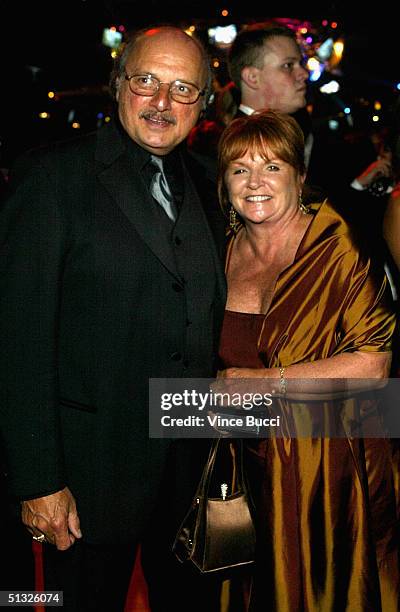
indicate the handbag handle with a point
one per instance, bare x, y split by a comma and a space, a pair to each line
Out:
204, 484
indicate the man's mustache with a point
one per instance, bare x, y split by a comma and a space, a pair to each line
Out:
157, 116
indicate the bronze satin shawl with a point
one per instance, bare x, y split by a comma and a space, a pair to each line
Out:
326, 507
328, 301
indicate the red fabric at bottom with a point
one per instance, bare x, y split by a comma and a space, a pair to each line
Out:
136, 601
39, 580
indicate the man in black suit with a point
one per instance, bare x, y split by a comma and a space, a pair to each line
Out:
101, 289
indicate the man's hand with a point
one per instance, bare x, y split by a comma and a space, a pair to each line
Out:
53, 516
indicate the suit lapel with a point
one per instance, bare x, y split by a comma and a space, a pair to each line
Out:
210, 215
127, 188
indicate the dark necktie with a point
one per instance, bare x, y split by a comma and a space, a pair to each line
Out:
160, 190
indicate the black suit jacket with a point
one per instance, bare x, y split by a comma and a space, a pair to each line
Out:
95, 300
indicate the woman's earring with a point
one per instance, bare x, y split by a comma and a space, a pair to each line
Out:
304, 209
233, 220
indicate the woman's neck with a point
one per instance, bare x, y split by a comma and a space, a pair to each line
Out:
266, 240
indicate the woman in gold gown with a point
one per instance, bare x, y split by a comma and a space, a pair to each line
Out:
304, 303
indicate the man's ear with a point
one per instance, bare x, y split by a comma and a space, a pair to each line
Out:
251, 76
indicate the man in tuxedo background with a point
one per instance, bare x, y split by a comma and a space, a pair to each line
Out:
266, 65
101, 289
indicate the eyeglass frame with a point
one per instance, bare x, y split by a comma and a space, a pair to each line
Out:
201, 92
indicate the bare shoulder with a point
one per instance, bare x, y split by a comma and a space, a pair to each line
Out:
391, 224
392, 214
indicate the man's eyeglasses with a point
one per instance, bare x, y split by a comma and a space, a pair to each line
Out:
180, 91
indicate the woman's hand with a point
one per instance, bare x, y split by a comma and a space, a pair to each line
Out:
381, 167
247, 381
244, 373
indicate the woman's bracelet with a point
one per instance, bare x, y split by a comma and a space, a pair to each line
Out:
282, 381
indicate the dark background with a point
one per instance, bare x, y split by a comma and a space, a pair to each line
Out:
57, 46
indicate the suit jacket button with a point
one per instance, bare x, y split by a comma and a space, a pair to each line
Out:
176, 356
177, 287
177, 241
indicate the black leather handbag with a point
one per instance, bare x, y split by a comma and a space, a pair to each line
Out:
218, 533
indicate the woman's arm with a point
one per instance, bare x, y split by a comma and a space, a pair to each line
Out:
391, 225
341, 373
